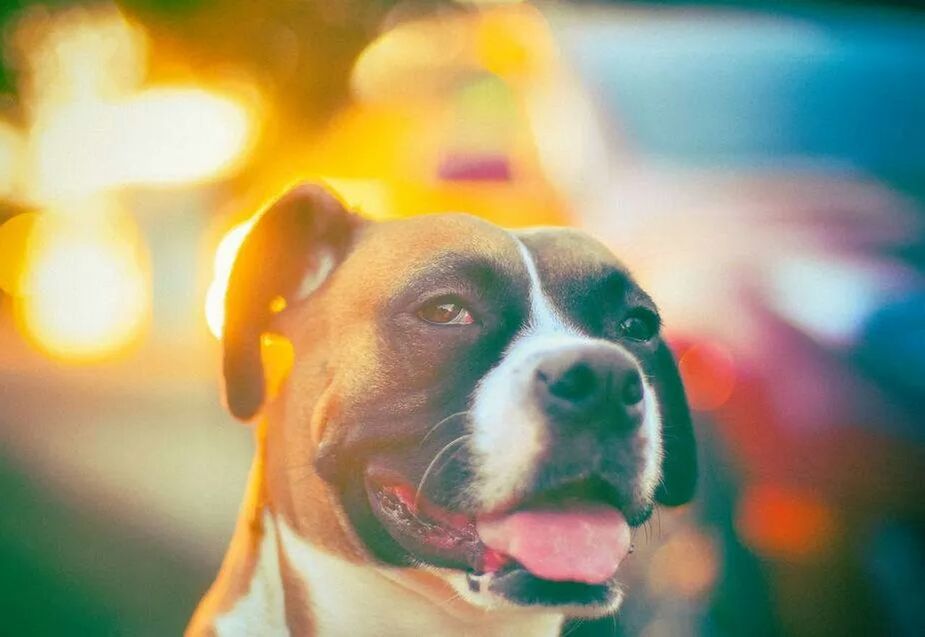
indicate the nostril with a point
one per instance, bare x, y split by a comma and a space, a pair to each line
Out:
576, 384
632, 389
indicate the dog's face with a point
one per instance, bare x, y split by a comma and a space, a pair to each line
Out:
496, 407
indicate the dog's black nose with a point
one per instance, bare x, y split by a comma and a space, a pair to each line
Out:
591, 387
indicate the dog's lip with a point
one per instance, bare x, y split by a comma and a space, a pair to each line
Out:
519, 585
429, 532
435, 534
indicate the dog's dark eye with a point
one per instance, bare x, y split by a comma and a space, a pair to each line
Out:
639, 327
444, 312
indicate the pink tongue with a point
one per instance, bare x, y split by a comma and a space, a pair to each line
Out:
580, 543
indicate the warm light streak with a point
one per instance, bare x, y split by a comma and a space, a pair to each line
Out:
224, 260
370, 197
157, 137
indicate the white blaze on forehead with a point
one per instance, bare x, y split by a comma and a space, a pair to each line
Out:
543, 316
508, 426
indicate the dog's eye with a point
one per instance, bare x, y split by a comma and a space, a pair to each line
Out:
444, 312
639, 327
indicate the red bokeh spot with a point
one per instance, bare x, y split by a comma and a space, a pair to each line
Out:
785, 523
709, 375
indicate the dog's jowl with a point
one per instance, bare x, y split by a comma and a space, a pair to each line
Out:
472, 423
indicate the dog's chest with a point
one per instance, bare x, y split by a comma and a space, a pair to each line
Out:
345, 599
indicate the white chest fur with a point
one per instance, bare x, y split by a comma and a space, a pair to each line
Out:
350, 600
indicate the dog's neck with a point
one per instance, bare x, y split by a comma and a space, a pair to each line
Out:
275, 582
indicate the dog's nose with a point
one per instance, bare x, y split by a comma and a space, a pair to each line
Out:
592, 387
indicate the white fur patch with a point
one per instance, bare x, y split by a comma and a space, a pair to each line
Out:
262, 611
650, 433
361, 600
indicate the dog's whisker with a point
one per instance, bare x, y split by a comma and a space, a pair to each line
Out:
449, 600
433, 463
574, 627
441, 423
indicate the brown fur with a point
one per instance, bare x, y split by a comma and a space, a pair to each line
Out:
336, 361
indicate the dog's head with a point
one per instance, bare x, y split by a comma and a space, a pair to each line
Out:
497, 407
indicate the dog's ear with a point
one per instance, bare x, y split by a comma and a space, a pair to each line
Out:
679, 465
302, 235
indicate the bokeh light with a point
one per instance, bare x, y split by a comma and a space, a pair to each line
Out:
785, 522
95, 127
709, 375
84, 292
82, 287
687, 565
158, 136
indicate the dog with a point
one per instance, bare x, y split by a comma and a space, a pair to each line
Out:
468, 426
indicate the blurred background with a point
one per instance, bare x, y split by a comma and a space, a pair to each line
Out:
759, 165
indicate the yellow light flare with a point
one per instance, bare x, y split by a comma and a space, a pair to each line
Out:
14, 243
515, 42
371, 197
85, 290
221, 271
278, 357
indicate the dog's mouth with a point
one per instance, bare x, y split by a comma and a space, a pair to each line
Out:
568, 542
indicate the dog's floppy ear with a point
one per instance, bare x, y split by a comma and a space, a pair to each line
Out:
679, 466
298, 235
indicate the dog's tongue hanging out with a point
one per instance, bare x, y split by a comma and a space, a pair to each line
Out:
577, 543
